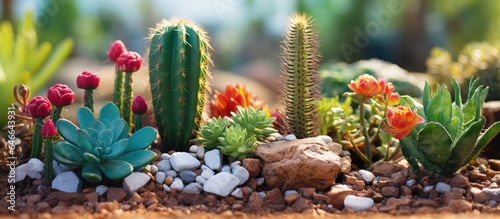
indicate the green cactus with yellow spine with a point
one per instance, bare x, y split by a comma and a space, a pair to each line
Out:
178, 69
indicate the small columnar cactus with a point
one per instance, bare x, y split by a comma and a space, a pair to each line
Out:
254, 121
209, 134
178, 70
300, 89
236, 143
103, 145
48, 132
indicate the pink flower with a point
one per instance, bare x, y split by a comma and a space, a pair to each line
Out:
116, 49
367, 86
61, 95
139, 105
38, 107
49, 129
129, 61
401, 120
88, 80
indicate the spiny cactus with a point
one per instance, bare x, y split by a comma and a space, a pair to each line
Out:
299, 88
178, 70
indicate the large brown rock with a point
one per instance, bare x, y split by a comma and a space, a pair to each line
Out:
301, 163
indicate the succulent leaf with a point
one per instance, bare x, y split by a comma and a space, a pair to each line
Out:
89, 157
67, 130
69, 151
109, 113
431, 135
106, 136
485, 138
210, 132
236, 144
254, 121
84, 139
116, 169
116, 149
138, 158
117, 127
85, 117
91, 173
141, 139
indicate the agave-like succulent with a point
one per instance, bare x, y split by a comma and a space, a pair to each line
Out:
451, 134
209, 133
254, 121
103, 144
236, 143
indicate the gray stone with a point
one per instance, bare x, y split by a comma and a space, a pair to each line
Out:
193, 188
171, 173
260, 181
135, 181
207, 174
237, 193
428, 188
226, 169
262, 194
21, 172
200, 153
59, 168
200, 179
183, 161
213, 159
101, 189
67, 182
358, 203
410, 182
327, 139
235, 163
491, 191
36, 165
187, 176
367, 175
221, 184
165, 156
160, 177
290, 137
241, 173
177, 184
163, 165
442, 187
154, 169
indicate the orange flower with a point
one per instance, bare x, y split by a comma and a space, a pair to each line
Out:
401, 120
392, 98
223, 104
367, 86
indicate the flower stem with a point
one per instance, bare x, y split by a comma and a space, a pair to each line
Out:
88, 99
386, 105
56, 113
368, 149
358, 152
36, 145
137, 122
48, 171
127, 98
118, 92
396, 151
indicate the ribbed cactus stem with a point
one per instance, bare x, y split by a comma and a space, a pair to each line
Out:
88, 99
299, 88
36, 145
47, 169
118, 90
56, 113
127, 98
178, 70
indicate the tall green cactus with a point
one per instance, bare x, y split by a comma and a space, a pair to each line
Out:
299, 87
178, 70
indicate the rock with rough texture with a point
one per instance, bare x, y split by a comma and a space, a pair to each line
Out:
67, 182
213, 159
135, 181
346, 165
253, 166
385, 169
221, 184
240, 173
183, 161
114, 193
358, 203
367, 175
302, 163
337, 194
459, 181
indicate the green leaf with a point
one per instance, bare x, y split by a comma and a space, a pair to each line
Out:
141, 139
91, 173
67, 130
85, 117
426, 96
117, 149
434, 142
84, 140
106, 137
458, 95
108, 114
91, 158
116, 169
413, 155
485, 139
439, 108
463, 148
69, 151
455, 127
138, 158
470, 106
117, 127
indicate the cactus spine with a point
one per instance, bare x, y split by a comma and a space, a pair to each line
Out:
178, 63
299, 86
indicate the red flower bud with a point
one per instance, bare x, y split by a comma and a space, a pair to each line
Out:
88, 80
38, 107
48, 129
129, 61
116, 49
139, 105
61, 95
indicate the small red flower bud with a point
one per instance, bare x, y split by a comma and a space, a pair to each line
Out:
38, 107
49, 129
139, 105
88, 80
129, 61
61, 95
116, 49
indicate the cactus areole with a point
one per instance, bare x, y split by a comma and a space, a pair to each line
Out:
178, 70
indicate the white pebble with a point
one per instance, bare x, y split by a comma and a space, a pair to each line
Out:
290, 137
260, 181
166, 187
241, 173
177, 184
101, 189
410, 182
207, 174
262, 194
165, 156
200, 179
288, 192
164, 165
193, 148
153, 169
428, 188
160, 177
442, 187
235, 163
493, 203
358, 203
200, 153
327, 139
171, 173
226, 168
204, 167
367, 175
237, 193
